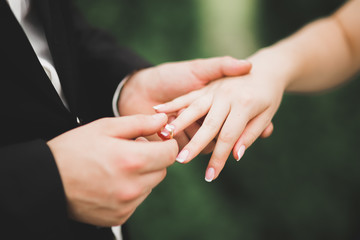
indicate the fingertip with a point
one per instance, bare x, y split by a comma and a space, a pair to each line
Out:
244, 66
243, 62
158, 107
240, 152
239, 149
210, 174
182, 157
235, 67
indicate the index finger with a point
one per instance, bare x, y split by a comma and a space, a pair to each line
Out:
191, 114
148, 157
133, 126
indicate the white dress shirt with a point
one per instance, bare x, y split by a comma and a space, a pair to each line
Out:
35, 34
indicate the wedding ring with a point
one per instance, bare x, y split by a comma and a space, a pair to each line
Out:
171, 129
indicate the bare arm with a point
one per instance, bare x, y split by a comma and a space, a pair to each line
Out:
321, 55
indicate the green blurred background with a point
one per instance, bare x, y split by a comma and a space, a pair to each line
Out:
301, 183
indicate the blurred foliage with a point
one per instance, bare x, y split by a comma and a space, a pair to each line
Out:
159, 30
301, 183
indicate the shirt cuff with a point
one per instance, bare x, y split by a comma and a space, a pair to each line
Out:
117, 95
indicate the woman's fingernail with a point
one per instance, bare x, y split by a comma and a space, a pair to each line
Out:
182, 156
170, 127
167, 132
164, 134
240, 152
157, 107
210, 174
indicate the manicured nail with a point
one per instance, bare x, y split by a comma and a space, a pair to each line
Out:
170, 127
210, 174
182, 156
240, 152
157, 107
168, 131
165, 134
159, 116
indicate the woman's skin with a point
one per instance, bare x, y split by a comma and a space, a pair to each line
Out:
237, 110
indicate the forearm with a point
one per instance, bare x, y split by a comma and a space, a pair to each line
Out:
321, 55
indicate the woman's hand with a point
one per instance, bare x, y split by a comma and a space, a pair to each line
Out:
165, 82
236, 111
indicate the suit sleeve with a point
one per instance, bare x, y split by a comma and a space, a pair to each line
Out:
103, 63
32, 196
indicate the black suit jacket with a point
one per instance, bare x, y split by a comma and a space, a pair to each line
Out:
90, 65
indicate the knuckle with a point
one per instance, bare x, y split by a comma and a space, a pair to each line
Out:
246, 98
132, 164
250, 137
127, 163
226, 137
210, 123
198, 105
128, 194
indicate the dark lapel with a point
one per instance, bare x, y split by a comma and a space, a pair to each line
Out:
55, 18
17, 50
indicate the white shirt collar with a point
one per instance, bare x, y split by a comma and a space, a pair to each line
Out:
20, 8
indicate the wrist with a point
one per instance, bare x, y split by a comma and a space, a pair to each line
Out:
271, 67
129, 96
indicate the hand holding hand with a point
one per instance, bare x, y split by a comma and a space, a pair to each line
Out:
237, 110
163, 83
105, 173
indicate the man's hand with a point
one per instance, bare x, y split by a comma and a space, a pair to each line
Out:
105, 173
153, 86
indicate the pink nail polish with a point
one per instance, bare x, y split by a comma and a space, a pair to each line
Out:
210, 174
182, 156
240, 152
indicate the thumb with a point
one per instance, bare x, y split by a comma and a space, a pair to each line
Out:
207, 70
131, 127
